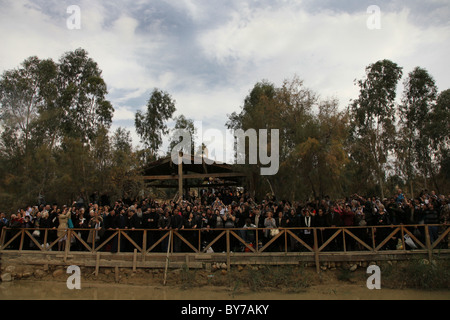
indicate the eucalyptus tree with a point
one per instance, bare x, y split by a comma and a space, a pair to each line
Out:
152, 125
373, 117
44, 105
414, 148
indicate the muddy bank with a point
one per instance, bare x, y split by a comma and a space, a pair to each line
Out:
53, 290
243, 282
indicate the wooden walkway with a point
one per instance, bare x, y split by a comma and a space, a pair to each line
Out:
143, 248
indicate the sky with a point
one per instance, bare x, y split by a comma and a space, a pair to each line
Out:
209, 54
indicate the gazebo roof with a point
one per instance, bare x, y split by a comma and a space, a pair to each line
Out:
193, 167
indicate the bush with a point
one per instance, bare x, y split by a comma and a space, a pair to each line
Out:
418, 274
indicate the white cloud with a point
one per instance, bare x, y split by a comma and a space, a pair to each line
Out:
123, 114
328, 50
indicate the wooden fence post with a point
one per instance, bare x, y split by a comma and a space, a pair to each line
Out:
428, 243
316, 251
228, 249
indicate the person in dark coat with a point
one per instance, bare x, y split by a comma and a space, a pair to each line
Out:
176, 225
431, 216
333, 220
164, 224
307, 221
383, 219
293, 221
321, 222
133, 223
119, 223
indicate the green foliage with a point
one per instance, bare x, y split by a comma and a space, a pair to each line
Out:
413, 144
417, 274
182, 123
373, 117
151, 125
54, 120
312, 137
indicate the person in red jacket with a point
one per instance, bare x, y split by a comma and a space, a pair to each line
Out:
348, 217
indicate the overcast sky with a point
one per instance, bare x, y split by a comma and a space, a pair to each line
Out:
208, 54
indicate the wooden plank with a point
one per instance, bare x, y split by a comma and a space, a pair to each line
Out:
228, 249
214, 241
413, 237
185, 241
34, 240
131, 240
82, 241
387, 239
428, 243
22, 235
124, 260
167, 258
402, 229
10, 240
358, 239
97, 263
203, 257
300, 240
107, 240
441, 237
330, 239
134, 259
343, 240
316, 251
373, 238
59, 238
144, 245
157, 242
243, 241
195, 176
2, 237
272, 240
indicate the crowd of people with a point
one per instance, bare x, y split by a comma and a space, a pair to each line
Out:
218, 208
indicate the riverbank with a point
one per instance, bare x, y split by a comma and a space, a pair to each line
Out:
54, 290
399, 281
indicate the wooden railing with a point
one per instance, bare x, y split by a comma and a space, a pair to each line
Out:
253, 240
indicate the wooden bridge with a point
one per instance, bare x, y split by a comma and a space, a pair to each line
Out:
200, 248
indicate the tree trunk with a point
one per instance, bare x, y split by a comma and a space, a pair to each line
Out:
411, 188
380, 180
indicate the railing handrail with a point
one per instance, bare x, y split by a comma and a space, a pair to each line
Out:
240, 228
316, 246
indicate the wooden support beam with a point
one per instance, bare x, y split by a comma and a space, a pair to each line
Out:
97, 263
180, 176
134, 259
316, 251
195, 176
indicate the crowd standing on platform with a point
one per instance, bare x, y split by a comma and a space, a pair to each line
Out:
226, 207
